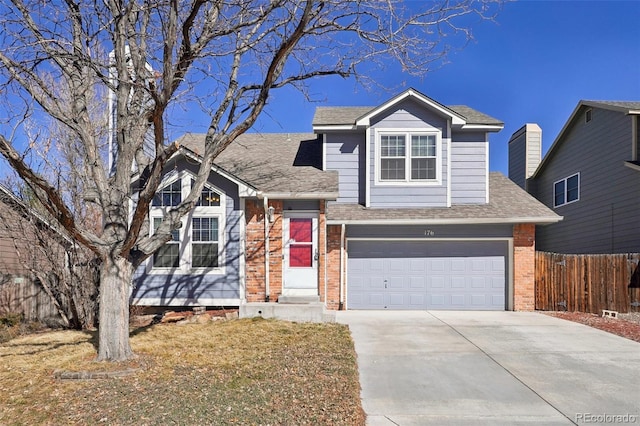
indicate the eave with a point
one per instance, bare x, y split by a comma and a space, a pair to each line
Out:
445, 221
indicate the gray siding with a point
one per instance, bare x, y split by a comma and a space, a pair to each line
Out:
344, 152
172, 289
525, 147
469, 168
517, 159
409, 115
605, 218
437, 231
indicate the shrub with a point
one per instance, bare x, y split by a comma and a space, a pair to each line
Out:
11, 319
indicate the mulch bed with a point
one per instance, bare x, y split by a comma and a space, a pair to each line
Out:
629, 328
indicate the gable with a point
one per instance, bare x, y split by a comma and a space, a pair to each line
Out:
410, 114
578, 116
425, 103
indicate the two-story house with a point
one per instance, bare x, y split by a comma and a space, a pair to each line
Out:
590, 175
384, 207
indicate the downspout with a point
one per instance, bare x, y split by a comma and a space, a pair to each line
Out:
324, 255
342, 236
265, 201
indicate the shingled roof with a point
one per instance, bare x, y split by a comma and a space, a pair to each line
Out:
628, 107
508, 203
278, 164
326, 116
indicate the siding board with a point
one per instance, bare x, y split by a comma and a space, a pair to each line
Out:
343, 154
604, 220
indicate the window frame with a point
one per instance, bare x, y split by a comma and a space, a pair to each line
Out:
408, 135
186, 231
565, 182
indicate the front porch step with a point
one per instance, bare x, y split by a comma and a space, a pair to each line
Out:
298, 300
298, 312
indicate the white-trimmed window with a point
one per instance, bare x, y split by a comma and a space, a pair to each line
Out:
408, 157
566, 190
197, 245
204, 242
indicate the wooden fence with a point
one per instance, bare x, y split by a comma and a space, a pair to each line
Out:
587, 283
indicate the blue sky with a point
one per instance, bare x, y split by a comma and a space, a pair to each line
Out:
534, 64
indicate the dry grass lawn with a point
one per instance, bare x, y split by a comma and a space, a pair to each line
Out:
234, 372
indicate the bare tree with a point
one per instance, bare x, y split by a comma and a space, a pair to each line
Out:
226, 54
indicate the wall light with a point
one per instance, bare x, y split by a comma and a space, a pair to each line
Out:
271, 214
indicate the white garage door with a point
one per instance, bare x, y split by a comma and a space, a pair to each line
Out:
426, 275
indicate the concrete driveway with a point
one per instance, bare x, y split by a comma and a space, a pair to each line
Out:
443, 367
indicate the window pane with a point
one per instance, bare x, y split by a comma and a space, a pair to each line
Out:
208, 197
204, 229
423, 146
558, 193
300, 255
392, 169
204, 255
392, 146
423, 168
300, 230
175, 234
169, 196
167, 256
572, 188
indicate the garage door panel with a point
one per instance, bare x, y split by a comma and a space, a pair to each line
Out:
457, 265
436, 265
417, 266
418, 282
375, 283
458, 300
436, 301
497, 300
497, 282
435, 282
480, 282
418, 300
395, 283
375, 299
458, 282
426, 275
394, 265
375, 265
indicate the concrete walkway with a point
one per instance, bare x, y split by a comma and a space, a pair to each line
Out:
488, 368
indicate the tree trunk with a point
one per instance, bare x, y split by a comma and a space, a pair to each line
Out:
113, 329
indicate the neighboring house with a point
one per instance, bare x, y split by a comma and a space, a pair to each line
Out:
590, 176
384, 207
21, 290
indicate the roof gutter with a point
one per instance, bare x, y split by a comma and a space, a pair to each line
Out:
266, 248
536, 220
298, 195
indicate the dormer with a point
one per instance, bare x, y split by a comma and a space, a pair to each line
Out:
410, 151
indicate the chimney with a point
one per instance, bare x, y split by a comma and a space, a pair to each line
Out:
525, 153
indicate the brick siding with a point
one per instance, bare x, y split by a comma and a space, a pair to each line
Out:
254, 248
333, 267
524, 250
255, 255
